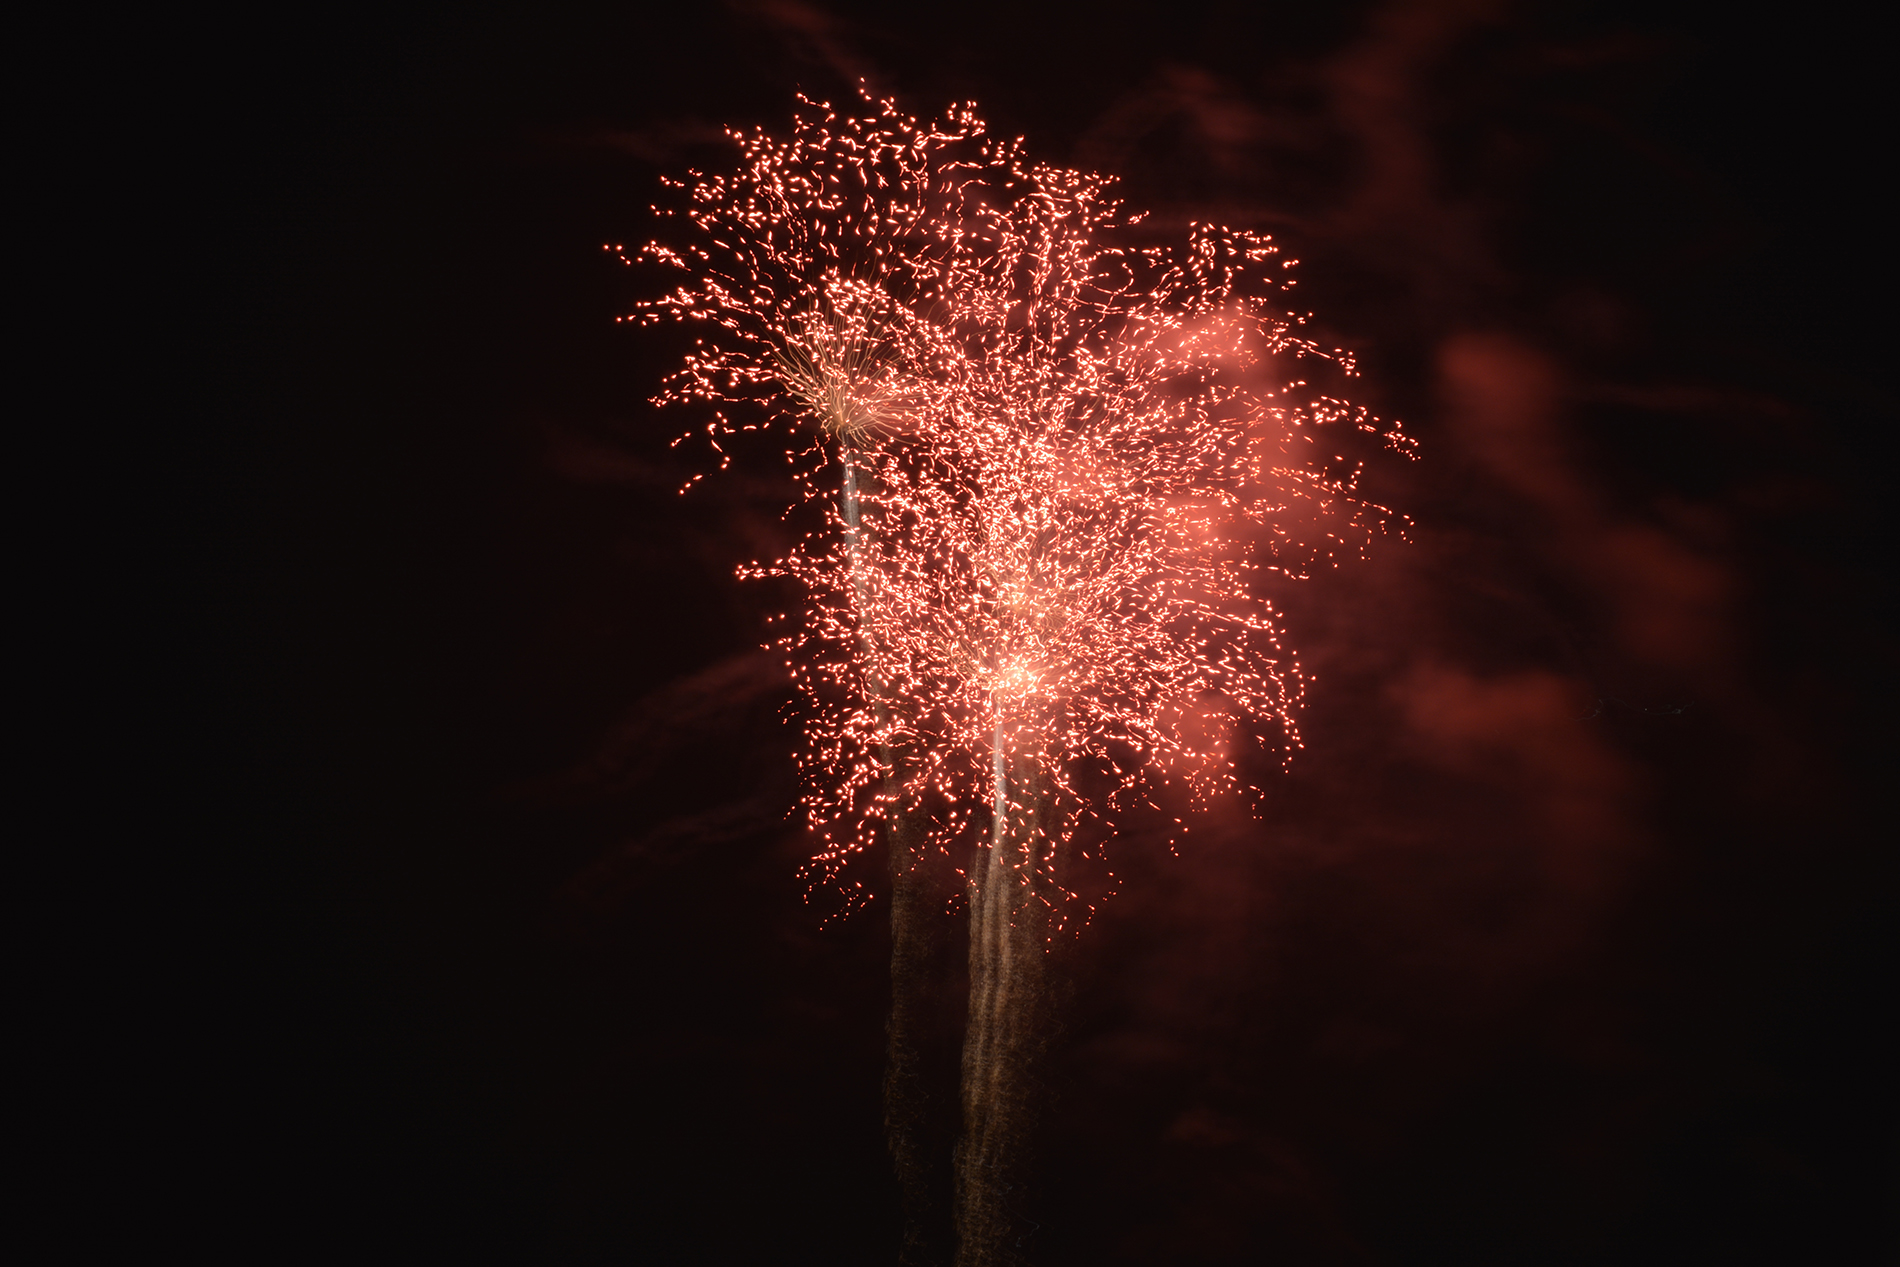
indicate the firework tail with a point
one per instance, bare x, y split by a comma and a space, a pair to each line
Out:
1005, 1034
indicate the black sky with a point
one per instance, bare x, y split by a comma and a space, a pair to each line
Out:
1567, 938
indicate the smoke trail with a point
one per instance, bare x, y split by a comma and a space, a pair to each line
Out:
1005, 1035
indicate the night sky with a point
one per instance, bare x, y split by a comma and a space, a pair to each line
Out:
1567, 939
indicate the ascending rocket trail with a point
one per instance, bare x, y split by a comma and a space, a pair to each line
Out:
1066, 451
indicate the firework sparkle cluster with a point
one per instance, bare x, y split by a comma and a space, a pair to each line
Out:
1041, 458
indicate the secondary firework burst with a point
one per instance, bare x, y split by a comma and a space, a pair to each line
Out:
1065, 449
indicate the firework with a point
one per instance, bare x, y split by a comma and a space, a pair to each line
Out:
1061, 457
1062, 454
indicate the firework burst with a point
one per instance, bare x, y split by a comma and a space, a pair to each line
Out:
1062, 454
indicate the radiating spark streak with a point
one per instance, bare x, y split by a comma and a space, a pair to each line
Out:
1067, 455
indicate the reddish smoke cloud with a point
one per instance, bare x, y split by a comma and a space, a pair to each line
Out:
1508, 407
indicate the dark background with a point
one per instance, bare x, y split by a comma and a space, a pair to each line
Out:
1566, 939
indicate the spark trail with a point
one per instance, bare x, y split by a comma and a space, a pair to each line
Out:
1063, 450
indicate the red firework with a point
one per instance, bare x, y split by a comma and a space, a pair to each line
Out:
1063, 453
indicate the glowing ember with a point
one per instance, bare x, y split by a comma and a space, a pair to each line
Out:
1063, 455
